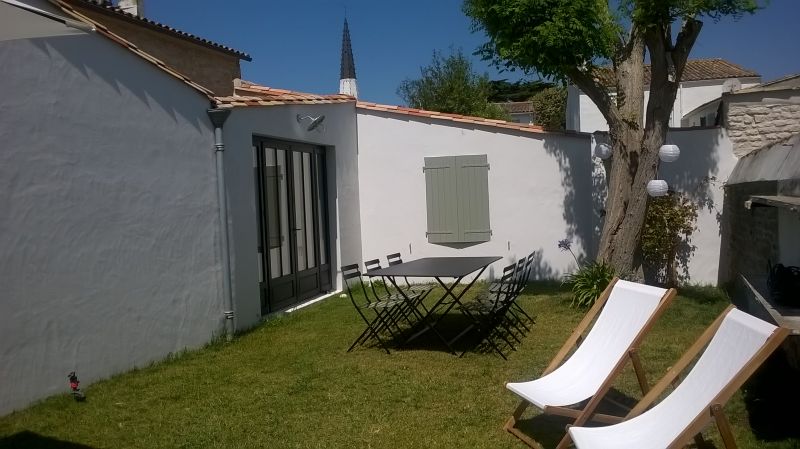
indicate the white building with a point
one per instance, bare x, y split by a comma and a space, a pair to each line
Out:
138, 223
703, 81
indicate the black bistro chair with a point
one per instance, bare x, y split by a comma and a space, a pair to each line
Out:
380, 315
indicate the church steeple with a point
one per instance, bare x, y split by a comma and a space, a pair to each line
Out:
347, 77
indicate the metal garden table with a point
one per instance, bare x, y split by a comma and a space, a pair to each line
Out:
438, 268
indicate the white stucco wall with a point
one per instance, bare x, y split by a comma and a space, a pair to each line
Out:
109, 231
539, 189
705, 153
338, 135
691, 94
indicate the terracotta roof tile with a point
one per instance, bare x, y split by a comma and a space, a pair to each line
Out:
516, 107
450, 117
100, 29
251, 94
695, 70
107, 6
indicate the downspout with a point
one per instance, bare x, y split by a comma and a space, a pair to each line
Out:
218, 117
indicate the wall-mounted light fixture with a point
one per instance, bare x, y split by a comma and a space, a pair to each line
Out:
314, 122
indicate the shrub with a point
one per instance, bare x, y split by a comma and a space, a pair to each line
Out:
588, 283
669, 223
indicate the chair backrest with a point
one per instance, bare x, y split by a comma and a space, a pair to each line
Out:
351, 275
375, 264
629, 308
739, 345
394, 259
507, 289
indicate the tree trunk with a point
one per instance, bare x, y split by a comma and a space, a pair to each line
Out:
635, 142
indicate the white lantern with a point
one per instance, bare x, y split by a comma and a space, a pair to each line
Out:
602, 150
657, 187
669, 153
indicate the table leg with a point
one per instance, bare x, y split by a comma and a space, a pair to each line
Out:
423, 318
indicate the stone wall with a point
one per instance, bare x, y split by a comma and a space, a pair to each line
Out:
750, 236
210, 68
752, 126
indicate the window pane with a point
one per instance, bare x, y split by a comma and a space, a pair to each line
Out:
299, 209
308, 196
272, 179
283, 210
323, 237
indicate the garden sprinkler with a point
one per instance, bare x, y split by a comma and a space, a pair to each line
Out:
73, 384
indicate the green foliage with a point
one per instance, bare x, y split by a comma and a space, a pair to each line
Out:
557, 38
449, 85
589, 282
520, 90
550, 107
669, 223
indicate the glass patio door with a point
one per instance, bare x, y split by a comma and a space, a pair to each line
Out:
292, 247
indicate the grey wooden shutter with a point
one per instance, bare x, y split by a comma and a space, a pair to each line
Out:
441, 199
457, 199
472, 177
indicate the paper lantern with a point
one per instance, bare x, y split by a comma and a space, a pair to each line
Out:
657, 187
669, 153
602, 150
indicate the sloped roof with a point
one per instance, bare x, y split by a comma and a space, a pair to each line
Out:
450, 117
251, 94
102, 30
107, 7
774, 162
516, 107
695, 70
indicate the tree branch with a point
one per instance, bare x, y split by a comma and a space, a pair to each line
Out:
597, 92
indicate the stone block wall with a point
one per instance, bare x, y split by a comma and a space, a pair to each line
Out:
750, 236
752, 126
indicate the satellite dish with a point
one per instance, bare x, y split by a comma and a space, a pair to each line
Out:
315, 121
731, 85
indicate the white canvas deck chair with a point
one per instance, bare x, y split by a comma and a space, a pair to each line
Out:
736, 345
622, 316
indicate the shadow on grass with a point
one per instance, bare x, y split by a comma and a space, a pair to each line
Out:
31, 440
768, 393
702, 294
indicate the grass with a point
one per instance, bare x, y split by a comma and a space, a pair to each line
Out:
290, 384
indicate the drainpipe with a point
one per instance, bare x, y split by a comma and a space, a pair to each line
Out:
218, 117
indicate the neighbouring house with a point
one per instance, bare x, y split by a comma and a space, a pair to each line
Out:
147, 214
708, 114
212, 65
519, 111
703, 80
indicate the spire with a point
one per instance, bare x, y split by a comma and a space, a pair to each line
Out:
347, 78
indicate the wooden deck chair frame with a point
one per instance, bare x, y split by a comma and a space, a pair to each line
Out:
587, 413
714, 411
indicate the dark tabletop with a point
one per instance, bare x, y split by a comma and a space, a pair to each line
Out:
436, 267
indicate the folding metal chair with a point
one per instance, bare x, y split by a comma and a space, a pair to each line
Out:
420, 291
379, 315
385, 293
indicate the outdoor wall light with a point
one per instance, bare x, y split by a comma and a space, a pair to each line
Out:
314, 122
602, 150
669, 153
657, 187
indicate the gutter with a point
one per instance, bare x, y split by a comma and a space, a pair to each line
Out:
218, 117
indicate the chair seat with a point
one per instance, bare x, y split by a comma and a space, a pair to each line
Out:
384, 304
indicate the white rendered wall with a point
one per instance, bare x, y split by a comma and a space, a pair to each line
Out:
705, 153
338, 135
109, 227
690, 95
539, 189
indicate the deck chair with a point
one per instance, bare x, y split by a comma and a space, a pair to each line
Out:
736, 345
622, 315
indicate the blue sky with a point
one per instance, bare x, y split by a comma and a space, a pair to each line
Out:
296, 44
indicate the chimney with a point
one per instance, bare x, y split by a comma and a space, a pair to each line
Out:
135, 7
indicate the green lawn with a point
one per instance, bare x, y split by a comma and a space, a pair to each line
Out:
290, 384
